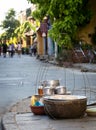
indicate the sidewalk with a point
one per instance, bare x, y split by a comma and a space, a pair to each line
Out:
85, 67
28, 121
20, 117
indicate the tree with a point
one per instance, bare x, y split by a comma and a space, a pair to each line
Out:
26, 27
66, 17
10, 24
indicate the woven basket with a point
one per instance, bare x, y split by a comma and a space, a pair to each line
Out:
38, 110
65, 109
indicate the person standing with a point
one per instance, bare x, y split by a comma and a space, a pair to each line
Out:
4, 45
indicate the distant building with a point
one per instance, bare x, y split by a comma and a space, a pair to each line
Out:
23, 15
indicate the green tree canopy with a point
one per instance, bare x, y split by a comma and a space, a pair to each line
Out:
66, 17
10, 23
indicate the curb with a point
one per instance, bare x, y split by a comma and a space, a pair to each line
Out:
8, 122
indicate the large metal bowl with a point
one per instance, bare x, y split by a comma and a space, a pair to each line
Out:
65, 106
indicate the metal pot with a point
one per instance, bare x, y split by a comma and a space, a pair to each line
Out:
48, 91
60, 90
54, 83
51, 83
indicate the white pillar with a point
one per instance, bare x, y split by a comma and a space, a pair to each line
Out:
50, 46
44, 45
56, 50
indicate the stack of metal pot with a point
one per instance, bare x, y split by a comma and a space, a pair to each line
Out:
52, 87
49, 87
60, 90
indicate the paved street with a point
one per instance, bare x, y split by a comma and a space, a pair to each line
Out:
20, 76
17, 79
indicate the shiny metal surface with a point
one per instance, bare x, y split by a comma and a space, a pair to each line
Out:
60, 90
48, 91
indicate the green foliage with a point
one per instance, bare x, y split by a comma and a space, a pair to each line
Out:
42, 8
3, 36
64, 31
66, 17
10, 14
10, 24
37, 14
25, 27
64, 56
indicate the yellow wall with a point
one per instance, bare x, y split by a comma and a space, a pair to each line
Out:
39, 44
89, 29
24, 43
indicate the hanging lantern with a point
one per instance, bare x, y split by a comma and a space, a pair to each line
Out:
43, 34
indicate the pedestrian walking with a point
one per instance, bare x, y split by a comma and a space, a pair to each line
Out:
31, 50
0, 48
11, 49
19, 49
4, 45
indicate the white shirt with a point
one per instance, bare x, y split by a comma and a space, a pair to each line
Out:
19, 47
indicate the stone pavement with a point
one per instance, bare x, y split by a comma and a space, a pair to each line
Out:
20, 117
28, 121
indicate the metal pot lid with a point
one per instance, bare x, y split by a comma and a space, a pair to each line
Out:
48, 87
60, 87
